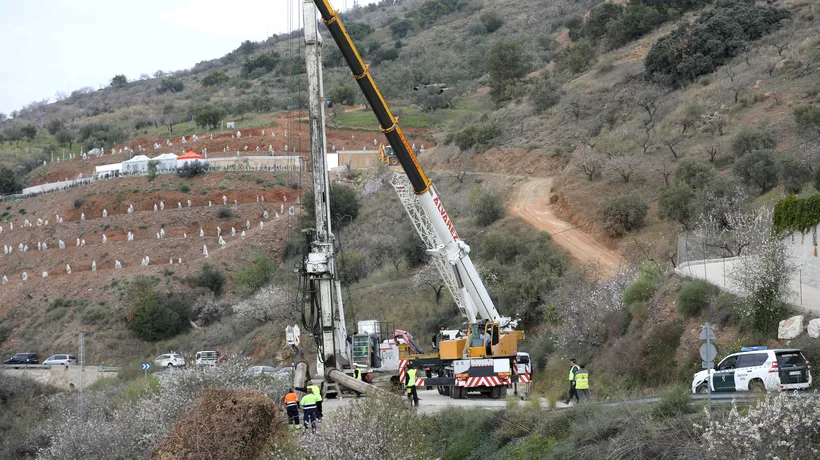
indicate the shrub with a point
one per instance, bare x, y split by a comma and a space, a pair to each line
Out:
184, 188
639, 291
675, 401
170, 84
624, 214
8, 182
155, 316
211, 279
658, 354
344, 201
209, 117
352, 267
752, 139
807, 118
192, 169
545, 93
757, 169
488, 208
676, 204
691, 51
481, 137
491, 21
152, 170
225, 212
252, 278
694, 172
94, 135
694, 297
507, 65
793, 174
576, 58
215, 78
414, 251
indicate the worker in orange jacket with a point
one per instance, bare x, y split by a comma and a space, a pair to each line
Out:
292, 407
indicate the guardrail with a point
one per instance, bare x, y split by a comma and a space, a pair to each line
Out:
100, 368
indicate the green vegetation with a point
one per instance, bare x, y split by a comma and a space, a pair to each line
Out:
191, 169
155, 316
209, 118
253, 278
225, 212
8, 182
624, 214
507, 65
479, 137
695, 297
344, 204
689, 52
792, 214
211, 279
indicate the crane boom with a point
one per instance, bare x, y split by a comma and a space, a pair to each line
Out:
433, 222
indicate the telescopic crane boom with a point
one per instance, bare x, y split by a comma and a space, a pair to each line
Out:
471, 296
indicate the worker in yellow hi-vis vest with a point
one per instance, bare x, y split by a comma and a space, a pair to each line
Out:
582, 383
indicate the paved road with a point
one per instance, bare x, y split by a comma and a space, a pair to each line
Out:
530, 201
432, 402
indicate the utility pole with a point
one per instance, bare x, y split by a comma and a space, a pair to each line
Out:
80, 395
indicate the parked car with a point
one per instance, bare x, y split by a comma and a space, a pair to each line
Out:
757, 369
23, 358
207, 358
170, 360
62, 360
262, 370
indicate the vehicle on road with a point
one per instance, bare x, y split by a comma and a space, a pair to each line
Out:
756, 369
207, 358
23, 358
170, 360
262, 370
61, 360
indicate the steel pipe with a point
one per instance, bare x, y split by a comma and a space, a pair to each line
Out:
340, 377
300, 374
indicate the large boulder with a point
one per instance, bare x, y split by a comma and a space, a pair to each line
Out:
790, 328
814, 328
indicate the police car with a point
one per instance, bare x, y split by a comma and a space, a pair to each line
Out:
756, 369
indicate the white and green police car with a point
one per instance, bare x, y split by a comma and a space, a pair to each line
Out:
756, 369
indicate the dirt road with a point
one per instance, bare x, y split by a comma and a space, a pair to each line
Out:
530, 201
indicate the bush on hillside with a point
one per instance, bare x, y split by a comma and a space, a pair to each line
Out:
353, 267
432, 10
624, 214
695, 297
694, 172
757, 170
545, 93
807, 118
250, 279
507, 65
793, 173
491, 21
225, 212
399, 29
192, 169
155, 316
8, 182
639, 291
413, 250
215, 78
344, 201
751, 139
716, 36
675, 401
211, 279
658, 355
480, 137
209, 118
265, 61
676, 204
636, 20
488, 208
96, 135
170, 84
575, 58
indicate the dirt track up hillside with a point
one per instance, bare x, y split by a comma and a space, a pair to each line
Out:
530, 201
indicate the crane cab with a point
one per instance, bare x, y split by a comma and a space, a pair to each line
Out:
484, 339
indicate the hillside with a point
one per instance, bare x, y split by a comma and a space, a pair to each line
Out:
572, 143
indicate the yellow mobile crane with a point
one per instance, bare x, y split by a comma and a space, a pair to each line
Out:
486, 359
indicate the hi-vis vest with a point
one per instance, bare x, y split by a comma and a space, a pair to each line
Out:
572, 371
357, 374
315, 390
291, 399
582, 380
309, 401
411, 378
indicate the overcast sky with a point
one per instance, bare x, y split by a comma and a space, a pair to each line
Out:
60, 45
